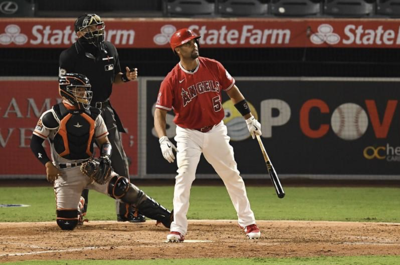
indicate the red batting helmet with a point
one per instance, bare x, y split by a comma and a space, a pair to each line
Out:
181, 37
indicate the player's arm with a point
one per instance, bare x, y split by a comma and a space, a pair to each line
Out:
237, 97
46, 123
241, 105
160, 124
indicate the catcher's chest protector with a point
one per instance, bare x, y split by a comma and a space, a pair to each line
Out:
75, 136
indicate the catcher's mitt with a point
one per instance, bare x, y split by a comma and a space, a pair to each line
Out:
98, 169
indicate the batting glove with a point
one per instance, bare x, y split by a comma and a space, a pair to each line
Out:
167, 149
254, 127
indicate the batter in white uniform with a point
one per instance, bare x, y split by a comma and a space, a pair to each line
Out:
193, 90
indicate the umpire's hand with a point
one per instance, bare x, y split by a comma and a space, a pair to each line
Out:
131, 74
52, 172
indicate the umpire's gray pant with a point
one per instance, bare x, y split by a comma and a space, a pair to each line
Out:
119, 161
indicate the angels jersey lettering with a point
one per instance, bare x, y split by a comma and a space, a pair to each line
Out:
195, 96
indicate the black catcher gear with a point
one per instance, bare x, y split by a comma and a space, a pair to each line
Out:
98, 169
76, 89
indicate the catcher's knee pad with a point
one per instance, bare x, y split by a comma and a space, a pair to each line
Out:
118, 187
67, 219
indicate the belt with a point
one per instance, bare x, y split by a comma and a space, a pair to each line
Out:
102, 104
205, 129
68, 165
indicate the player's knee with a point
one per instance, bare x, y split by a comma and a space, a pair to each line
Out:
118, 187
67, 219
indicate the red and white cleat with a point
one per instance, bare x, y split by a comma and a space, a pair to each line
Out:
175, 237
252, 231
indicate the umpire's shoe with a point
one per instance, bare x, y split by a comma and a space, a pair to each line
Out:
131, 218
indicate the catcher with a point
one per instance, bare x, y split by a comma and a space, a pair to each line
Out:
72, 127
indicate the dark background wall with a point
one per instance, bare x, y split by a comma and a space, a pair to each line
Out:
240, 62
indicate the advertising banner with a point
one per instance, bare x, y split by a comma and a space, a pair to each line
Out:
215, 33
311, 127
21, 105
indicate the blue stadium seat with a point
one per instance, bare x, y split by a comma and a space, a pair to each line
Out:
242, 8
295, 8
189, 8
389, 8
349, 8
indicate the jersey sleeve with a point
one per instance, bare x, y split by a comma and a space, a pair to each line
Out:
47, 123
100, 128
226, 80
165, 96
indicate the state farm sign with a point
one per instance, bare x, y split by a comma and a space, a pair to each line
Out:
221, 33
360, 33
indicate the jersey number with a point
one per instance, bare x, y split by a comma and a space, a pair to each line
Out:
217, 104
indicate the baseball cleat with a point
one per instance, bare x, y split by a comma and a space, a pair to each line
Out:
175, 237
252, 231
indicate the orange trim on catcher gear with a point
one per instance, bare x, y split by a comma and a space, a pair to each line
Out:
91, 132
64, 134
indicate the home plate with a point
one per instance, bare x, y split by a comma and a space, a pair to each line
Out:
193, 241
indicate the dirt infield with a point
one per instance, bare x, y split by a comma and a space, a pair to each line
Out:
206, 239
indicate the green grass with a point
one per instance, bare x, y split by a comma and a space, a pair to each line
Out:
363, 260
212, 202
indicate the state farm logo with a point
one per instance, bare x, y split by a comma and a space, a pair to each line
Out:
165, 35
13, 35
325, 34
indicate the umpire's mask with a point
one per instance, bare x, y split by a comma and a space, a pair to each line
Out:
92, 28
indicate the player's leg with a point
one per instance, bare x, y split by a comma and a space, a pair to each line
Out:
68, 188
120, 188
219, 153
187, 157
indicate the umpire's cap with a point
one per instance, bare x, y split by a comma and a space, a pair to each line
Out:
182, 36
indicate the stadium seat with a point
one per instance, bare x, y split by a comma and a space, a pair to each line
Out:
242, 8
189, 8
349, 8
302, 8
389, 8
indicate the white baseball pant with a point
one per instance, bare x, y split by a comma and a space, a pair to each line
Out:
219, 153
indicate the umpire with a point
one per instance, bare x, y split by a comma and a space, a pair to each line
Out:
98, 59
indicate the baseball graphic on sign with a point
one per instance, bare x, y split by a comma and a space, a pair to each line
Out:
349, 121
234, 121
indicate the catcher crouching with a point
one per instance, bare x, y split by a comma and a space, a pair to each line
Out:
72, 127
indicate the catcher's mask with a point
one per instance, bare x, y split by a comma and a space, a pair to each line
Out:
181, 37
76, 89
92, 28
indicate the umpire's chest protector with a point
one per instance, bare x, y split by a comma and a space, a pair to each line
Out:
75, 136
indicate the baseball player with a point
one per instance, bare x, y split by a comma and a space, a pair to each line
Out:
98, 59
72, 127
193, 90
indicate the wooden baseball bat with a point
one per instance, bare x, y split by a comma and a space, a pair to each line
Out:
271, 170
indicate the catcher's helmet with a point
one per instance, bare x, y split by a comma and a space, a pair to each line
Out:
76, 89
182, 36
92, 28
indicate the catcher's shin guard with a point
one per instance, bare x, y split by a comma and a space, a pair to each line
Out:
152, 209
